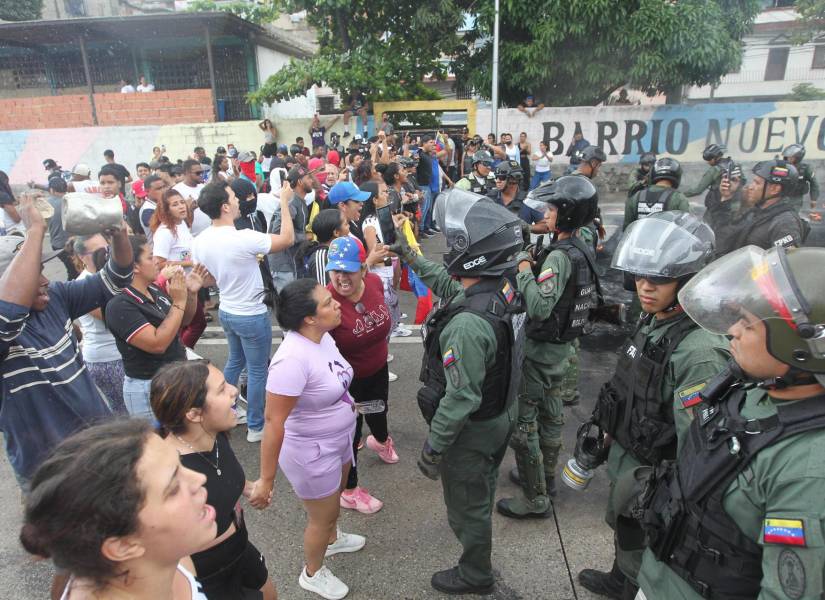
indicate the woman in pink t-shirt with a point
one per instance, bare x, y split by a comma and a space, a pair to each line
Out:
310, 422
362, 338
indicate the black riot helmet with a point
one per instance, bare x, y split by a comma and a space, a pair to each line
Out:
592, 153
796, 151
482, 156
648, 158
713, 151
667, 168
574, 197
777, 171
483, 237
509, 169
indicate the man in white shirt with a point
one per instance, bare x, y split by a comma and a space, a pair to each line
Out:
126, 87
143, 86
232, 257
81, 180
190, 188
154, 187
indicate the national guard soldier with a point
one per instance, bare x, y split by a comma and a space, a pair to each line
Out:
740, 513
471, 371
766, 218
661, 195
662, 367
559, 287
806, 184
592, 158
639, 177
481, 180
508, 193
714, 156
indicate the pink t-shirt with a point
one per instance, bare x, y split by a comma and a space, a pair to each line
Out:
320, 377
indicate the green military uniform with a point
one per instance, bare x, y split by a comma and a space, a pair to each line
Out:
472, 450
698, 358
633, 211
785, 481
711, 179
475, 184
637, 180
807, 179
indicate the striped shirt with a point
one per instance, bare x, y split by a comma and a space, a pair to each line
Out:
47, 394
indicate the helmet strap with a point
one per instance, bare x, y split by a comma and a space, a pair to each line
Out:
793, 377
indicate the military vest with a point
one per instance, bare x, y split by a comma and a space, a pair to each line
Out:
480, 188
630, 406
682, 510
652, 201
497, 302
572, 311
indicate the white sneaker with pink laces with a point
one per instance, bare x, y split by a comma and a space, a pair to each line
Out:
360, 499
386, 451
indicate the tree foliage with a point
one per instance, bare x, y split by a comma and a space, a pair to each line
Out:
381, 47
254, 12
578, 52
21, 10
812, 13
803, 92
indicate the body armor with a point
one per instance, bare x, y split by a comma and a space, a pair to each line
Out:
630, 406
682, 512
571, 313
653, 201
484, 187
497, 302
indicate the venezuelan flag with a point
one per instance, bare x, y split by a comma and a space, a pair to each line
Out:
788, 532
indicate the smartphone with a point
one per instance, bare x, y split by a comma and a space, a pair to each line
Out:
387, 226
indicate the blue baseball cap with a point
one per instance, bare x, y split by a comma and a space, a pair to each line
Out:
344, 255
346, 190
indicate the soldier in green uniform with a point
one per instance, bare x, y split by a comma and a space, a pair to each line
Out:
662, 195
471, 372
559, 287
740, 513
648, 404
481, 180
713, 155
639, 177
807, 179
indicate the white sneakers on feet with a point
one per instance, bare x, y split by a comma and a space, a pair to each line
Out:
346, 542
401, 331
240, 414
390, 358
253, 436
323, 583
392, 376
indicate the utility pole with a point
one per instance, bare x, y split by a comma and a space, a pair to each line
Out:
494, 124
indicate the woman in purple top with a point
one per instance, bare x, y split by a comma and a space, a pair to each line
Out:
309, 427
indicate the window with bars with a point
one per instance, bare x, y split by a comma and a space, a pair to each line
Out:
23, 71
819, 57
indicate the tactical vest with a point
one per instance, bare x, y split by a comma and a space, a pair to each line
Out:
761, 217
682, 513
653, 201
498, 303
480, 188
630, 406
801, 186
572, 311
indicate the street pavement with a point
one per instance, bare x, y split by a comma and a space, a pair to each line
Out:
409, 538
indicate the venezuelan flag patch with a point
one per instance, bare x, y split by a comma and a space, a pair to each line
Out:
692, 395
545, 275
787, 532
450, 358
508, 293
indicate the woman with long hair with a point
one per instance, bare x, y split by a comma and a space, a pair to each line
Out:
194, 405
220, 168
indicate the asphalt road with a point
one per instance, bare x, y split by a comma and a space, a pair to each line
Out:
409, 538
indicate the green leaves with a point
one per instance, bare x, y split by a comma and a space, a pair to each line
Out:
21, 10
254, 12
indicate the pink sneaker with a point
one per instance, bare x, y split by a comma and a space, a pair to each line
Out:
359, 499
386, 451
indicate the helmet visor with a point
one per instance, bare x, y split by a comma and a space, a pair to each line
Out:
746, 284
450, 213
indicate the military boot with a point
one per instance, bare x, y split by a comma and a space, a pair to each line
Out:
550, 458
549, 482
450, 582
610, 584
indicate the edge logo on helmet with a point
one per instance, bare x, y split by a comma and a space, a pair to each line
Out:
474, 263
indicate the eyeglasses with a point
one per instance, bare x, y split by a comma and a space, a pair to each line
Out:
501, 177
655, 280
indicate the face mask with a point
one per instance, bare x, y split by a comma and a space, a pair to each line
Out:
248, 207
310, 198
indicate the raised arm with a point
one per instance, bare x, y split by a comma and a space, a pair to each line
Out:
286, 237
21, 279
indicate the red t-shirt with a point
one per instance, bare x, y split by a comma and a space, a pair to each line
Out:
363, 337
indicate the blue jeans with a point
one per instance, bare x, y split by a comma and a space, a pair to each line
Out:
427, 209
250, 342
136, 397
538, 178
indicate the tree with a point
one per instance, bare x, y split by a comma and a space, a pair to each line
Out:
383, 48
254, 12
803, 92
578, 52
21, 10
812, 13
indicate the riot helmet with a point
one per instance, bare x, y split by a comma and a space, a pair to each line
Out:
796, 151
667, 168
509, 169
483, 237
670, 244
574, 197
648, 158
482, 156
778, 286
713, 151
592, 153
777, 171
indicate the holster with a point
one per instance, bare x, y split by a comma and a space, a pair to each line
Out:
606, 412
428, 402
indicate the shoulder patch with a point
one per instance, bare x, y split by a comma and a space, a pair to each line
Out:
545, 275
507, 292
691, 396
785, 532
450, 357
791, 573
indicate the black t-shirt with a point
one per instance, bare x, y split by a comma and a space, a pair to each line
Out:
122, 172
127, 314
424, 170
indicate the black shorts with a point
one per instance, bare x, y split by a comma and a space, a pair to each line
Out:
232, 569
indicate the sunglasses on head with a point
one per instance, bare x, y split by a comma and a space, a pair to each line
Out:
655, 280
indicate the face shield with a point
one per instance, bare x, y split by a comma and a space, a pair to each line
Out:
450, 213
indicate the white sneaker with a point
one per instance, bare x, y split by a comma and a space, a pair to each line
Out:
390, 358
401, 332
346, 542
392, 376
403, 316
323, 583
240, 415
253, 436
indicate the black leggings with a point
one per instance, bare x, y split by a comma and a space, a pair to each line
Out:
362, 389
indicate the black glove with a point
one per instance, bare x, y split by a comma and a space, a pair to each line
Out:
430, 462
402, 247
